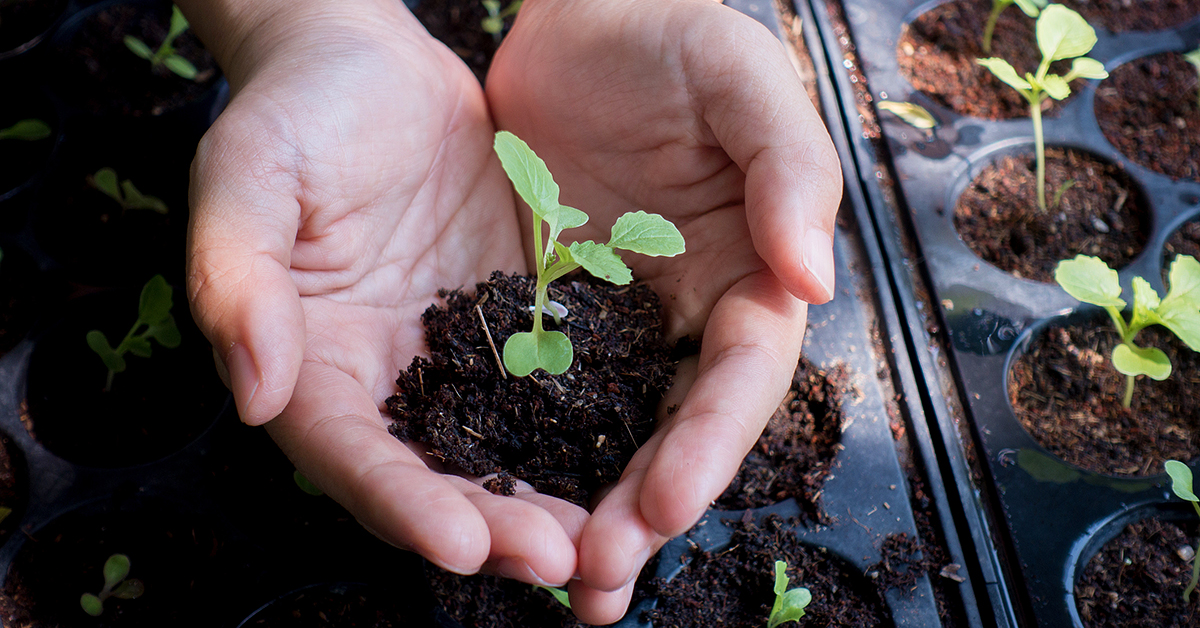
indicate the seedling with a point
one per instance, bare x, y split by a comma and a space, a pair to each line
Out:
1091, 280
29, 130
154, 321
116, 584
305, 484
125, 193
1030, 7
1193, 58
1181, 484
166, 55
648, 234
559, 594
1061, 34
789, 605
494, 22
913, 114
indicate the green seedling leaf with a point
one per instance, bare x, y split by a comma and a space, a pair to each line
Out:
1193, 58
528, 173
561, 218
305, 485
1031, 7
105, 180
91, 604
1005, 72
492, 24
1063, 33
5, 511
115, 570
648, 234
911, 113
134, 199
181, 66
559, 594
154, 304
165, 332
138, 47
1180, 309
525, 352
1090, 280
789, 605
1086, 67
1181, 480
179, 24
601, 261
129, 590
1145, 300
1148, 361
139, 346
1062, 189
99, 343
1056, 86
29, 130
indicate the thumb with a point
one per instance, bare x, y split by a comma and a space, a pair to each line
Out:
240, 236
763, 119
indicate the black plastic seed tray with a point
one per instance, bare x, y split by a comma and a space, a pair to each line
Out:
1050, 517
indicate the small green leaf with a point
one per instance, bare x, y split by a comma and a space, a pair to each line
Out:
138, 47
115, 570
1181, 480
492, 24
1056, 86
913, 114
1063, 33
165, 332
525, 352
91, 604
1090, 280
139, 346
1031, 7
181, 66
1184, 280
1145, 301
29, 130
154, 304
789, 605
1148, 361
492, 6
601, 261
559, 594
1087, 67
105, 180
129, 590
561, 218
306, 485
134, 199
1180, 309
179, 24
1005, 72
781, 579
5, 511
648, 234
99, 343
528, 173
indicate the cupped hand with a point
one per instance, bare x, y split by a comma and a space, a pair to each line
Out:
688, 109
350, 178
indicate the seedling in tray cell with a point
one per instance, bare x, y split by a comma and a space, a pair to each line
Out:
1061, 34
494, 22
1029, 7
560, 595
165, 55
1091, 281
789, 604
648, 234
154, 322
116, 584
1193, 58
29, 130
1181, 484
125, 192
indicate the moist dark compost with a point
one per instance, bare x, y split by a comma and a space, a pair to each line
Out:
793, 455
1137, 579
345, 605
1119, 16
1098, 212
733, 587
489, 602
1067, 394
459, 25
1148, 109
568, 434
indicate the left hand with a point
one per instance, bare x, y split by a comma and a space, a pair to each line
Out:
688, 109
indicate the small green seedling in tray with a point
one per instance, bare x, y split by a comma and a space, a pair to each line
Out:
154, 322
494, 22
1090, 280
1061, 34
789, 604
1029, 7
1193, 58
560, 595
165, 55
116, 584
29, 130
1181, 485
640, 232
125, 192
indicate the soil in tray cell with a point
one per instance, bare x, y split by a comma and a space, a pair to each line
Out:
348, 605
1092, 207
1067, 395
567, 434
1119, 16
733, 586
937, 52
1137, 579
1185, 241
1149, 109
793, 455
489, 602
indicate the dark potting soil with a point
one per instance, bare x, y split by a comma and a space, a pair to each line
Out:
937, 53
1067, 394
459, 25
1101, 212
13, 487
1119, 16
1149, 109
335, 606
793, 455
102, 76
1185, 241
568, 434
19, 296
489, 602
733, 586
25, 20
1137, 579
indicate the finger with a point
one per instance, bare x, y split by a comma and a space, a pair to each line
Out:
764, 120
332, 432
242, 228
599, 608
618, 539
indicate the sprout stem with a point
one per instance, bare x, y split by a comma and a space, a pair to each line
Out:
990, 27
1127, 400
1035, 112
1187, 593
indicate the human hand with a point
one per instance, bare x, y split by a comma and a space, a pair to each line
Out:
691, 110
350, 178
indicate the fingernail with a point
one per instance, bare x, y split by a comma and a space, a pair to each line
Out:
818, 258
517, 569
243, 378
